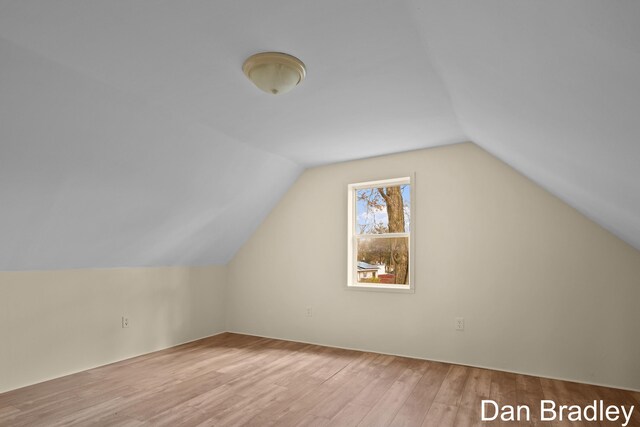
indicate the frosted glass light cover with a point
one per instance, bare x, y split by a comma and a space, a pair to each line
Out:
274, 72
274, 78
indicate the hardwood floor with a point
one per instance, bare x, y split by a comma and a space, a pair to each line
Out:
239, 380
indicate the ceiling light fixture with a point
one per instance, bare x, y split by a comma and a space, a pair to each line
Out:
274, 72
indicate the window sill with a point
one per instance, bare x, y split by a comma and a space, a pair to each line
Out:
382, 288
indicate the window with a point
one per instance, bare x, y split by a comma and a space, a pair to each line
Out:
379, 242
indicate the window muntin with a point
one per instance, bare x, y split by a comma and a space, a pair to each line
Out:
380, 234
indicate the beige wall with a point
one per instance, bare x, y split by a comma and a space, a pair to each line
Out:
543, 290
54, 323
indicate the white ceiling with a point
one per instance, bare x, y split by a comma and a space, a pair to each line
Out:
553, 89
129, 135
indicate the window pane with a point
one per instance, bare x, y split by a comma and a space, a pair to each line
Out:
383, 260
383, 210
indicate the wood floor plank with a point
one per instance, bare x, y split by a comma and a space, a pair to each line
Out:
246, 408
378, 385
303, 397
558, 391
240, 380
386, 408
615, 396
529, 392
322, 401
348, 383
440, 415
503, 392
415, 408
300, 385
476, 389
313, 421
7, 414
450, 392
350, 415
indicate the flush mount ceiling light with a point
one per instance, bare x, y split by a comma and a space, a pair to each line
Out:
274, 72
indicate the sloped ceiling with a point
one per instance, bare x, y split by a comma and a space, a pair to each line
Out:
130, 137
551, 88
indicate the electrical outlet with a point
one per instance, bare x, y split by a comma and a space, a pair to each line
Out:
125, 322
309, 312
459, 323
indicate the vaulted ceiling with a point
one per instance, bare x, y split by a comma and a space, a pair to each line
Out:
130, 137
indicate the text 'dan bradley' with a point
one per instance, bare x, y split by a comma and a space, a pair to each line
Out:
551, 411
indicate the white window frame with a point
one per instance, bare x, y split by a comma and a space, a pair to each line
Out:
352, 236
